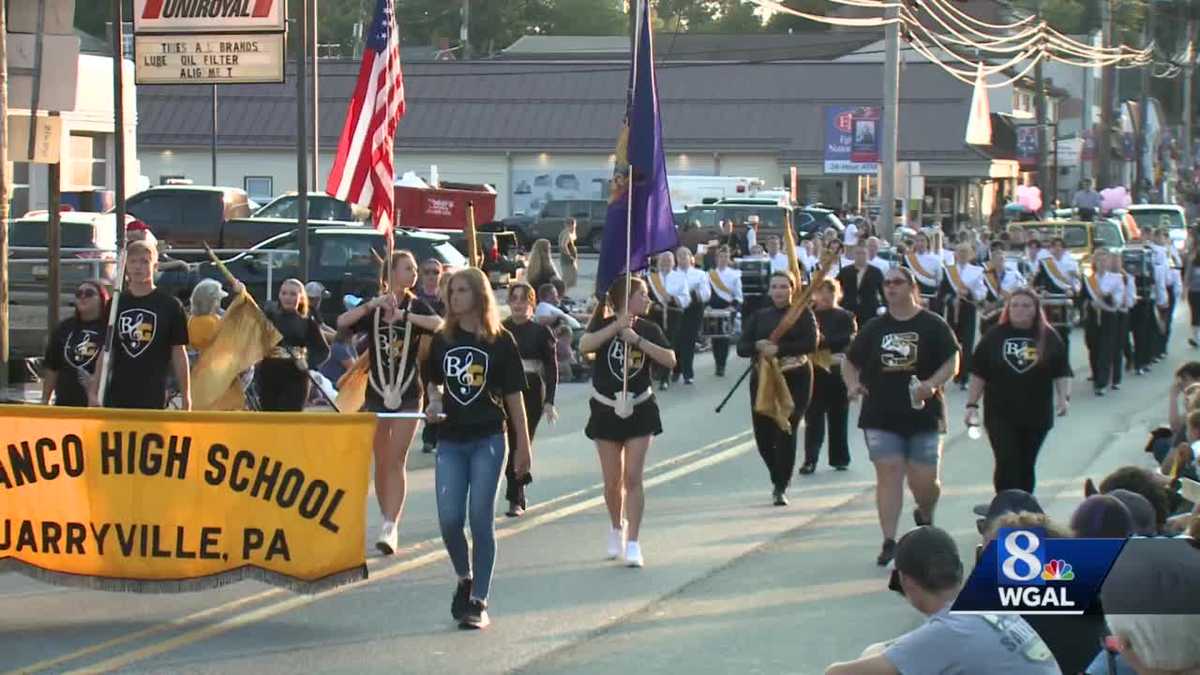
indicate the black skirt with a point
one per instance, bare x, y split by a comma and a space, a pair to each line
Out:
373, 402
604, 425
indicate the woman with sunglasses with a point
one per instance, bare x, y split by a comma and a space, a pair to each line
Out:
282, 378
475, 384
73, 348
1020, 370
899, 363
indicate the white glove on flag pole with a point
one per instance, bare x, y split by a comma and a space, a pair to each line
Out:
979, 123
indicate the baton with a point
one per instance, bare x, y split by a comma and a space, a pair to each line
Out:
735, 387
407, 416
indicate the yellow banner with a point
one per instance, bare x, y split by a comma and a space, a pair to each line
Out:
159, 501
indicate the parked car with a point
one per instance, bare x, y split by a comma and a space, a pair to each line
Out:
346, 259
187, 216
703, 223
320, 207
589, 215
1155, 216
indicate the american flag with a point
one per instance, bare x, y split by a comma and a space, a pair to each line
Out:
363, 170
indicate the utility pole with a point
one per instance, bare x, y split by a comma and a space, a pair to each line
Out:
212, 148
301, 141
1144, 165
1189, 71
53, 246
891, 123
316, 93
1107, 94
4, 193
1040, 106
464, 33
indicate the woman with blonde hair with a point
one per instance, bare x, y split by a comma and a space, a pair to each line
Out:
623, 426
282, 377
396, 324
475, 385
568, 255
540, 269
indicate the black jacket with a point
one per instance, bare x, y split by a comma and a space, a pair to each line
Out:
838, 328
865, 300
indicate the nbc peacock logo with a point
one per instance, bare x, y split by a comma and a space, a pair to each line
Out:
1058, 570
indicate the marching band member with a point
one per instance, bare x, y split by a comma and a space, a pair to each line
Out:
776, 446
725, 283
1032, 261
1144, 315
927, 267
622, 429
429, 291
151, 338
999, 280
1106, 292
837, 328
730, 239
963, 288
1058, 274
1124, 354
670, 297
475, 380
695, 293
75, 346
1169, 284
899, 363
282, 377
1021, 371
861, 287
539, 358
395, 323
779, 259
873, 245
835, 254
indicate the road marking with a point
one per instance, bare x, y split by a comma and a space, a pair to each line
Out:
184, 621
255, 615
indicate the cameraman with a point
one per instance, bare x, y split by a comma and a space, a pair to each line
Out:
930, 574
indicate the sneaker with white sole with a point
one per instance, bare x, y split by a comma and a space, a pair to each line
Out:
389, 538
633, 555
616, 542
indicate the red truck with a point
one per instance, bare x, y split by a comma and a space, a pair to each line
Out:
444, 207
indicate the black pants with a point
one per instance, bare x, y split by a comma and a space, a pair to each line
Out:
963, 323
670, 331
1123, 353
535, 400
685, 339
1104, 346
1144, 327
1164, 333
829, 403
282, 387
1016, 450
776, 446
720, 346
1194, 305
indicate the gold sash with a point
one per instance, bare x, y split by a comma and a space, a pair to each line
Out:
660, 288
1056, 275
993, 283
914, 263
960, 287
719, 284
1093, 287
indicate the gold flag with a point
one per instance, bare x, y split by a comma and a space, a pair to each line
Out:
774, 399
352, 385
789, 242
245, 337
472, 237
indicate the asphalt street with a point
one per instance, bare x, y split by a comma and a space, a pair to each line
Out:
732, 584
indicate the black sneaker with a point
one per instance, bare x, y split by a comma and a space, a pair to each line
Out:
515, 510
688, 380
1192, 342
808, 468
886, 553
1116, 387
462, 594
780, 498
427, 449
919, 519
663, 386
720, 372
841, 467
475, 617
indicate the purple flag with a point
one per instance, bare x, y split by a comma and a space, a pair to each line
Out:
651, 229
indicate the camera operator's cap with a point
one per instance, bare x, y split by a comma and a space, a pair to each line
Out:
1102, 517
315, 289
1144, 523
1007, 501
929, 556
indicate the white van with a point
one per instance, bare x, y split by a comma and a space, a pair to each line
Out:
689, 191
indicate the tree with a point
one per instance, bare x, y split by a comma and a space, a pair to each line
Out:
587, 17
782, 22
737, 16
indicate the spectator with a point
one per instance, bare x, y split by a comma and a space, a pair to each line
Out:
929, 574
1086, 200
549, 312
541, 269
1182, 460
315, 292
341, 357
1143, 482
1185, 376
1102, 517
1140, 510
1005, 502
429, 288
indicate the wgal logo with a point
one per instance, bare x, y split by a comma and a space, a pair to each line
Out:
1023, 572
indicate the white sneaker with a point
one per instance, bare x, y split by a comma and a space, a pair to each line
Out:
616, 541
633, 555
389, 538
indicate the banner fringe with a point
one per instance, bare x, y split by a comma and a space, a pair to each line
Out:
192, 585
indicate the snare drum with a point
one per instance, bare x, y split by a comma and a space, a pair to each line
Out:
1058, 309
756, 275
718, 323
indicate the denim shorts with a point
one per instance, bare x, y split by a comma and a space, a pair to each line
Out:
920, 448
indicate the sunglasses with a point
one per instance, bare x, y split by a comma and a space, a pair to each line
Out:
85, 293
895, 282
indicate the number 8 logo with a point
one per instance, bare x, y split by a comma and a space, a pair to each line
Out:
1025, 553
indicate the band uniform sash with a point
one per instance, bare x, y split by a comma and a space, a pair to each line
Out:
1057, 276
660, 288
923, 275
960, 287
992, 281
719, 284
1097, 297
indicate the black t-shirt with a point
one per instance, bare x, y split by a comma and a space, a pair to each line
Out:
72, 352
385, 343
535, 342
301, 331
1020, 381
475, 375
606, 371
887, 353
147, 328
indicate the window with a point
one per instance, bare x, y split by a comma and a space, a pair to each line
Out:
260, 188
156, 209
20, 191
579, 210
342, 252
554, 210
88, 167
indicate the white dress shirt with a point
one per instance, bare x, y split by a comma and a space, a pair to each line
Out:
546, 310
779, 262
732, 278
850, 236
682, 283
676, 284
972, 279
882, 264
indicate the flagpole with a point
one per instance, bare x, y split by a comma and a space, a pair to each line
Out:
637, 39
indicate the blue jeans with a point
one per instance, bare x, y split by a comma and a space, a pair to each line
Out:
470, 469
919, 448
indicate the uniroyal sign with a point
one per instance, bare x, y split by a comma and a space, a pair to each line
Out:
208, 16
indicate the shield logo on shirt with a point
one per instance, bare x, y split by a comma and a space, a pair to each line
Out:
616, 359
466, 372
81, 348
1020, 353
899, 350
135, 330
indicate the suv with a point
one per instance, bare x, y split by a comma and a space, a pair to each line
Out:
188, 216
343, 258
589, 215
320, 207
